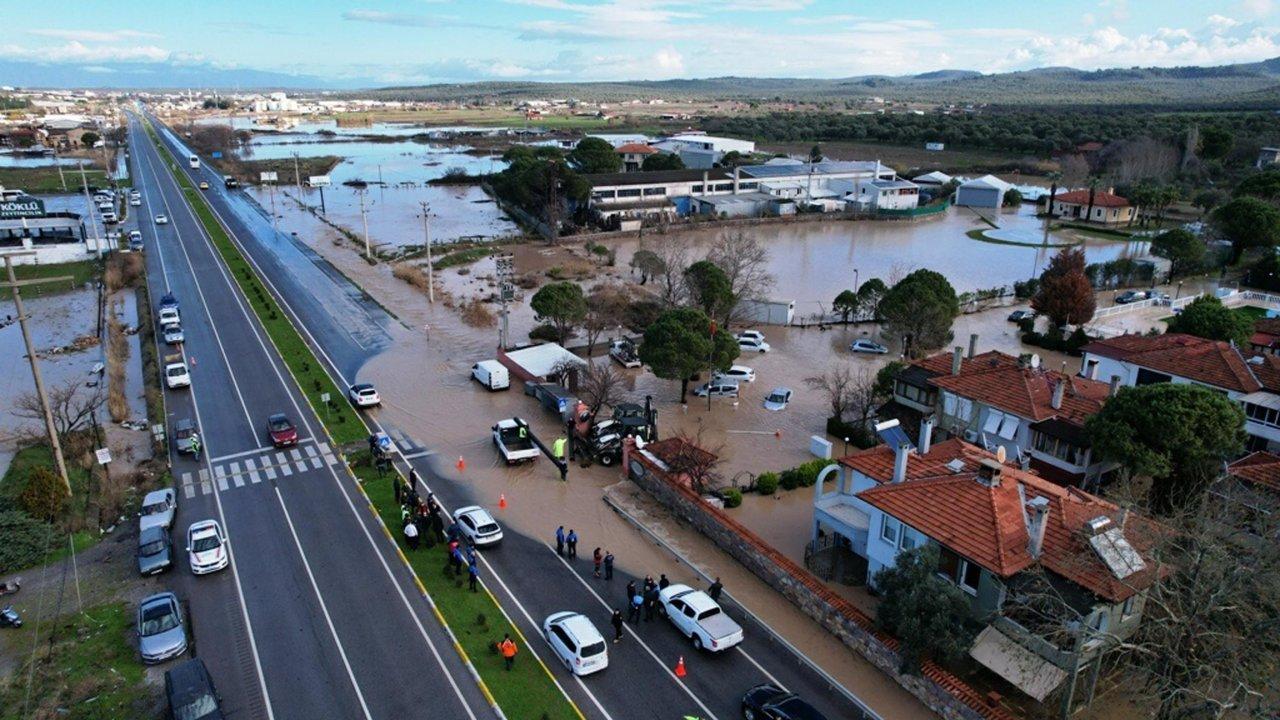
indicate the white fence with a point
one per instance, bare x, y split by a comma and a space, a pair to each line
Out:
1228, 296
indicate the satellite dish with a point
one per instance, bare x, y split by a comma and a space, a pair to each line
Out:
1000, 454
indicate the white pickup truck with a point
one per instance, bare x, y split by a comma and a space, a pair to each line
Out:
511, 437
700, 618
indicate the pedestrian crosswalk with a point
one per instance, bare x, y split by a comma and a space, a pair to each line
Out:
250, 469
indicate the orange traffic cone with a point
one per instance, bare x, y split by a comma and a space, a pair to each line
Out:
462, 465
778, 433
502, 501
680, 671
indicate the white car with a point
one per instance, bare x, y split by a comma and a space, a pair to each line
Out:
862, 345
737, 373
135, 236
135, 201
753, 344
109, 217
169, 316
477, 525
700, 618
158, 508
777, 399
576, 642
162, 219
364, 395
176, 375
206, 547
718, 388
173, 334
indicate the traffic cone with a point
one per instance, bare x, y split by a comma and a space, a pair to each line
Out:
502, 501
680, 671
778, 433
462, 465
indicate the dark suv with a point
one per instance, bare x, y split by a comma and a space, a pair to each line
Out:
769, 702
191, 693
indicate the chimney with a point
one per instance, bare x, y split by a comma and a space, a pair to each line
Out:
1091, 369
926, 434
706, 178
973, 344
956, 357
1037, 516
989, 472
1059, 389
1115, 386
737, 173
900, 454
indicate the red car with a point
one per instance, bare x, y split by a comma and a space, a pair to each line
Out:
281, 430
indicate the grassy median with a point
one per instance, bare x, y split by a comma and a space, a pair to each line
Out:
525, 691
475, 619
340, 419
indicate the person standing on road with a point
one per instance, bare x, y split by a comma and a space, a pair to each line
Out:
663, 582
560, 541
413, 479
631, 591
616, 620
473, 573
633, 608
508, 649
608, 565
716, 588
650, 602
571, 540
596, 559
397, 486
411, 534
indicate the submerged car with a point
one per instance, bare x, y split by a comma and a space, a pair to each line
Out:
736, 373
863, 345
753, 344
777, 399
161, 632
1020, 315
717, 388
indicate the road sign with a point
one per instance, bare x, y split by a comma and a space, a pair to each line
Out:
104, 455
265, 176
316, 181
26, 207
324, 397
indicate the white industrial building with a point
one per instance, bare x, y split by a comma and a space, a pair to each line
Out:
984, 192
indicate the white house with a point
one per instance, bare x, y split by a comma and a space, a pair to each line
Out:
1252, 381
984, 192
879, 194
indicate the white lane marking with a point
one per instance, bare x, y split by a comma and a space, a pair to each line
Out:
236, 477
233, 456
666, 668
286, 470
271, 472
419, 454
252, 469
188, 490
323, 607
295, 454
360, 519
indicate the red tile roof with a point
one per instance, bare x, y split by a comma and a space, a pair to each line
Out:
1212, 362
1260, 468
675, 449
985, 524
1028, 392
636, 148
1100, 199
877, 462
940, 364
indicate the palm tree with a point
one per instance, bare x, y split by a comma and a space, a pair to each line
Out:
1093, 190
1054, 177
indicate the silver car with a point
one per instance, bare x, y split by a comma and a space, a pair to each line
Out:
162, 635
777, 399
155, 551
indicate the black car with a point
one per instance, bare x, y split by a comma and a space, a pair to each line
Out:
1020, 315
768, 702
191, 693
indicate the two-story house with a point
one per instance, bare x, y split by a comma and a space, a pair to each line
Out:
1001, 532
1251, 380
998, 400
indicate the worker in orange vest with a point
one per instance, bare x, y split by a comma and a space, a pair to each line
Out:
508, 649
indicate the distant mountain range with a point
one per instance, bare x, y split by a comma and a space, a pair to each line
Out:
1247, 85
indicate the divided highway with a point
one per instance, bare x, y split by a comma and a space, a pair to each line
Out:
530, 580
316, 617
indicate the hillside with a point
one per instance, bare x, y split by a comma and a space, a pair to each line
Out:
1250, 85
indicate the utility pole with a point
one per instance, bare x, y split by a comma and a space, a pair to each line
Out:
297, 175
93, 224
505, 265
16, 285
63, 178
271, 188
364, 219
426, 232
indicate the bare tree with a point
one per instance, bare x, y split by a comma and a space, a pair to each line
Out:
850, 392
567, 372
692, 459
1141, 158
71, 405
745, 261
673, 257
1075, 169
601, 384
1208, 639
606, 308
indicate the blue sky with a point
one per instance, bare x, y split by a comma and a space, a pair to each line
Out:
461, 40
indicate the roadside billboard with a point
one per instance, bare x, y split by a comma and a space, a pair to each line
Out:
267, 177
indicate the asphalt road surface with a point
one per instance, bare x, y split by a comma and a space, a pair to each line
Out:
316, 617
525, 573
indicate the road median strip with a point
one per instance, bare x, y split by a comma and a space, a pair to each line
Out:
473, 621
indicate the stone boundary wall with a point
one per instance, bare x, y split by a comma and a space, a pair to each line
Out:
942, 692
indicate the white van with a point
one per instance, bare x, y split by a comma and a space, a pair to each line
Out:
491, 374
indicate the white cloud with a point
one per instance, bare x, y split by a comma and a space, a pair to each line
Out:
92, 36
1256, 8
1219, 23
78, 52
1220, 44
